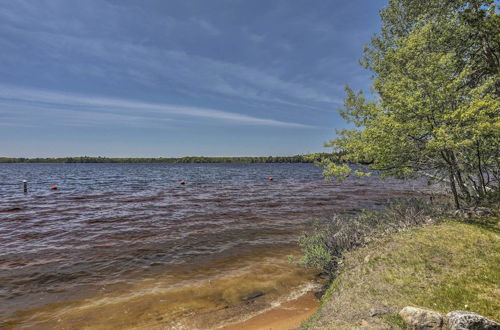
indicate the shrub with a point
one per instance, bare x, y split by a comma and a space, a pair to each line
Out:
324, 245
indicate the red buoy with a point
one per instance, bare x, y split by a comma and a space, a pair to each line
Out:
182, 182
270, 178
53, 188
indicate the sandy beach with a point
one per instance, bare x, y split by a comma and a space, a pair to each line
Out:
288, 315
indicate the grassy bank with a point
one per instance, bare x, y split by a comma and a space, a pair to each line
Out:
447, 266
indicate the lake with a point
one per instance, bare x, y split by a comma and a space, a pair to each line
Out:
125, 245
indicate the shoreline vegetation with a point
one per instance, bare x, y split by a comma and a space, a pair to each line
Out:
432, 113
448, 261
309, 158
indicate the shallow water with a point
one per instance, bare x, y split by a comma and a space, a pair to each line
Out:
124, 245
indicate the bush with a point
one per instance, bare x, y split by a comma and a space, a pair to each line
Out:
324, 245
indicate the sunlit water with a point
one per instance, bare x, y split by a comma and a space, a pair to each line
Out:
124, 245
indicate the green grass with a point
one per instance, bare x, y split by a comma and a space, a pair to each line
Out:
444, 267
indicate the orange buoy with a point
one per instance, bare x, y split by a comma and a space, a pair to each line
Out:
53, 188
182, 182
270, 178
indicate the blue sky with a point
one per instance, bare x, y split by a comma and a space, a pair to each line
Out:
173, 78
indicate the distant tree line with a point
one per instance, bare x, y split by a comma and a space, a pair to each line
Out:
310, 158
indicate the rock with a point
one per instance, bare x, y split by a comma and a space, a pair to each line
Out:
461, 320
377, 311
473, 212
252, 295
319, 294
420, 318
482, 211
323, 276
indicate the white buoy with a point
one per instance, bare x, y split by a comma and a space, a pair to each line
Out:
25, 184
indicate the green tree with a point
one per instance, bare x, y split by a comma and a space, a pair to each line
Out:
436, 108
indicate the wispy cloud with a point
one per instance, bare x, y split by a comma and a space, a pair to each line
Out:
193, 71
128, 109
152, 65
206, 26
72, 47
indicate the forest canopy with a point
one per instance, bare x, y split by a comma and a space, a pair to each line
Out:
434, 109
310, 158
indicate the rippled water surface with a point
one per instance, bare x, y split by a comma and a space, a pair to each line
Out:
114, 232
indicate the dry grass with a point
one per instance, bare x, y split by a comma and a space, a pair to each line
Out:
445, 267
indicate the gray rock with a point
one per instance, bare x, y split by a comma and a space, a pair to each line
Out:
252, 295
420, 318
482, 211
460, 320
377, 311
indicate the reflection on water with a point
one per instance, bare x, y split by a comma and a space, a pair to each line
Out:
126, 245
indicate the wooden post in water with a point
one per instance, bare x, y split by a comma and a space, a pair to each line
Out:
25, 184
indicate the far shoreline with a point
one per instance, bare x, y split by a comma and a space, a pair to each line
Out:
306, 158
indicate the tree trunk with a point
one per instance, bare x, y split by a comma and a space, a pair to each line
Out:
480, 169
454, 189
457, 173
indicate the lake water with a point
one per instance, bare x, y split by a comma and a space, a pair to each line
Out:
125, 245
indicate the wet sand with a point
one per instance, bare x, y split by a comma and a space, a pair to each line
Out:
257, 289
288, 315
